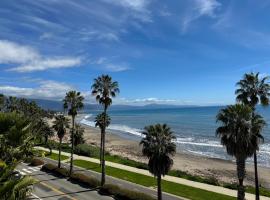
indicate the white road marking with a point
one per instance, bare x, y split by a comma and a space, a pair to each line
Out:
22, 173
36, 196
26, 170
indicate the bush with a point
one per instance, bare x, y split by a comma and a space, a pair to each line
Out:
87, 150
49, 167
36, 162
123, 194
109, 189
185, 175
87, 180
62, 171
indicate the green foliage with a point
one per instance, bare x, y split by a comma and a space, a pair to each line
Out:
11, 187
103, 89
60, 124
54, 156
185, 175
158, 146
16, 140
87, 150
78, 135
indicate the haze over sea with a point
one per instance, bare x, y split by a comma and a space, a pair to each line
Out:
194, 128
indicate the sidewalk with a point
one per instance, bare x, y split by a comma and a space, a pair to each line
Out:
182, 181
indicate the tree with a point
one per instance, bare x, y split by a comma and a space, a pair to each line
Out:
16, 140
78, 135
240, 132
253, 90
13, 188
104, 89
73, 102
159, 147
15, 145
60, 125
2, 102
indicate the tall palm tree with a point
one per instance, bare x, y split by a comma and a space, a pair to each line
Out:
78, 135
253, 90
60, 125
102, 121
73, 102
104, 89
240, 132
159, 147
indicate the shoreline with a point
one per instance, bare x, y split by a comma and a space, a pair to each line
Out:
222, 170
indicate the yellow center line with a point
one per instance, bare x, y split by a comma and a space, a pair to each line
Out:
56, 190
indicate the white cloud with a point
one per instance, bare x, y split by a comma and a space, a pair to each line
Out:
89, 35
30, 59
45, 36
46, 90
138, 8
49, 63
116, 67
14, 53
199, 9
138, 5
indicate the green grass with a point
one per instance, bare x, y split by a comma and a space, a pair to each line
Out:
54, 156
170, 187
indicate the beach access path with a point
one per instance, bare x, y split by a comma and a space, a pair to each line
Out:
211, 188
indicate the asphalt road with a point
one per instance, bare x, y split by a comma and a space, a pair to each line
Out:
50, 186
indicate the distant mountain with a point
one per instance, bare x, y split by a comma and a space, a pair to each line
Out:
58, 106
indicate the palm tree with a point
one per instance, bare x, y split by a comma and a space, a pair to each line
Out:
73, 102
13, 188
102, 121
104, 88
253, 90
240, 132
159, 147
78, 135
60, 125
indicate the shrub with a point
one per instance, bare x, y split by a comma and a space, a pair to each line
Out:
36, 162
87, 180
61, 171
49, 167
109, 189
123, 194
87, 150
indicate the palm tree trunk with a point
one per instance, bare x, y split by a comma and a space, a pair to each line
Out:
103, 148
59, 155
159, 192
241, 171
257, 189
103, 160
100, 149
72, 146
256, 177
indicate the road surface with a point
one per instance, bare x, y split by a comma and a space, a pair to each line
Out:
50, 187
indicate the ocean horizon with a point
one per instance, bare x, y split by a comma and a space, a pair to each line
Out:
194, 128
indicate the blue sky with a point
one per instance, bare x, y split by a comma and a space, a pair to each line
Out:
173, 51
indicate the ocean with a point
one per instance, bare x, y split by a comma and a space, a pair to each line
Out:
194, 128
